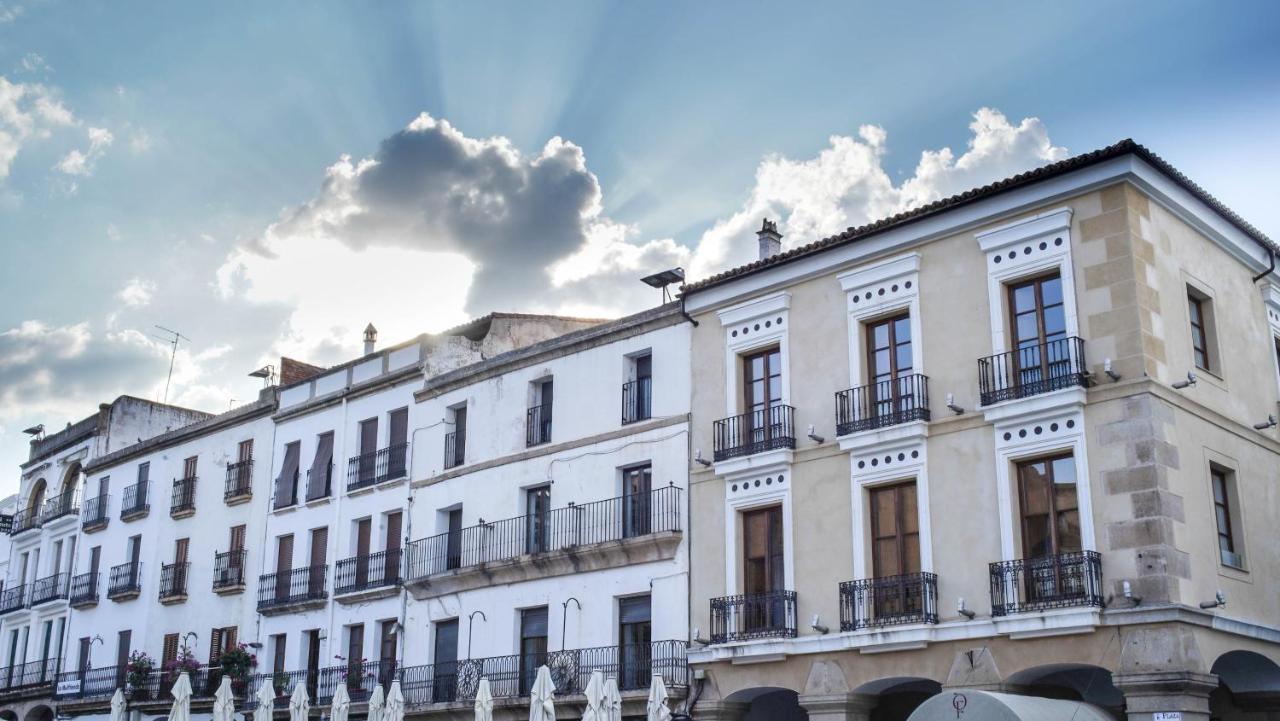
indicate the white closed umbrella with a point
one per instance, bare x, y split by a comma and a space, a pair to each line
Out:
656, 707
340, 706
266, 700
224, 701
299, 703
181, 692
612, 700
394, 710
484, 701
375, 703
542, 705
595, 710
117, 706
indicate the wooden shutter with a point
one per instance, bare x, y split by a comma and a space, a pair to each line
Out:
355, 644
319, 546
95, 559
124, 640
395, 523
368, 436
284, 556
180, 547
387, 644
230, 637
189, 467
170, 649
363, 527
399, 427
237, 538
277, 653
83, 662
215, 646
245, 451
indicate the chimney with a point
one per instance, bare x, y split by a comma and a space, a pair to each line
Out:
370, 338
770, 240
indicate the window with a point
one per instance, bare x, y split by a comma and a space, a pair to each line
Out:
637, 501
144, 472
1050, 514
189, 467
245, 451
355, 648
533, 645
320, 475
170, 650
445, 660
221, 640
634, 638
278, 653
1200, 315
397, 443
453, 542
637, 392
761, 383
287, 482
538, 519
763, 565
1042, 353
895, 530
1223, 482
319, 557
455, 441
889, 366
538, 419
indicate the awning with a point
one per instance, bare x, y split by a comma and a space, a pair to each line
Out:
965, 705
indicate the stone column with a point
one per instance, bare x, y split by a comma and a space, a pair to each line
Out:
839, 706
1185, 692
720, 710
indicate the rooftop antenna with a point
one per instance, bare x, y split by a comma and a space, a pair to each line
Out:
664, 279
173, 340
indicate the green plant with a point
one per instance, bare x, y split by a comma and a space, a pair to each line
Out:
138, 669
238, 662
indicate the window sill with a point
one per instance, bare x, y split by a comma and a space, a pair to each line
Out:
1236, 573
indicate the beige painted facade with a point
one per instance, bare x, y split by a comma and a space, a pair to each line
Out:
1143, 451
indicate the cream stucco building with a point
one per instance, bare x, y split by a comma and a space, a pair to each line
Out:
959, 451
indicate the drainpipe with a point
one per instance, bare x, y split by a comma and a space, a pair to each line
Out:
685, 313
262, 558
332, 551
1270, 254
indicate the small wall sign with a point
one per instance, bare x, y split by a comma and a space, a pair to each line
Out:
1166, 716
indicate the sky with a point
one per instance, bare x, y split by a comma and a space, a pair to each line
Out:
268, 178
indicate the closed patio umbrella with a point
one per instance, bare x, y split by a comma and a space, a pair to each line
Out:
266, 701
542, 705
656, 707
484, 701
117, 706
612, 700
375, 712
394, 710
595, 710
181, 710
299, 703
224, 701
340, 707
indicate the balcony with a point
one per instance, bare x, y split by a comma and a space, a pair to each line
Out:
603, 534
182, 503
1033, 370
883, 404
537, 425
13, 599
299, 589
370, 469
89, 684
319, 485
511, 677
889, 601
286, 494
84, 590
96, 513
157, 687
239, 485
637, 402
34, 678
364, 578
455, 450
25, 520
60, 506
173, 582
125, 581
753, 615
762, 430
1037, 584
135, 504
50, 588
228, 572
320, 683
6, 523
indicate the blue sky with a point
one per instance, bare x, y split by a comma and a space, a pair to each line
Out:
181, 163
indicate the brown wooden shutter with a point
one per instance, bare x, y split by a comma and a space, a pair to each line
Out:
215, 646
189, 467
230, 638
355, 644
363, 527
246, 450
395, 523
319, 546
124, 640
277, 653
368, 436
399, 427
387, 644
284, 555
180, 547
83, 662
170, 649
237, 538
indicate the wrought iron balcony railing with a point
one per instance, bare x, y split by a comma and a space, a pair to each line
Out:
368, 572
294, 586
455, 449
637, 404
228, 569
319, 485
183, 500
559, 529
25, 520
173, 580
753, 615
755, 432
370, 469
50, 588
1035, 584
889, 601
84, 589
13, 599
125, 580
96, 512
61, 505
239, 482
360, 678
90, 683
28, 676
885, 403
135, 501
537, 425
6, 523
1032, 370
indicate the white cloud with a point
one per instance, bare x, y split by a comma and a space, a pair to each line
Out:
9, 12
137, 292
28, 111
113, 233
34, 63
81, 163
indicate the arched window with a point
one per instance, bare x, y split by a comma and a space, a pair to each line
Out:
36, 500
70, 481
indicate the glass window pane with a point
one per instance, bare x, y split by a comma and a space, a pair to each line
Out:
1028, 328
1068, 532
1219, 488
1064, 470
1037, 540
880, 335
886, 558
910, 514
775, 389
881, 361
1221, 514
904, 358
1051, 290
1055, 321
886, 522
902, 329
1024, 298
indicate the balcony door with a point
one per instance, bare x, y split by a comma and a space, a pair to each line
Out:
764, 572
363, 528
1050, 526
637, 506
895, 549
538, 519
889, 366
398, 437
284, 566
313, 662
762, 393
355, 659
368, 450
444, 686
453, 542
235, 562
635, 636
533, 645
1038, 327
391, 560
319, 556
